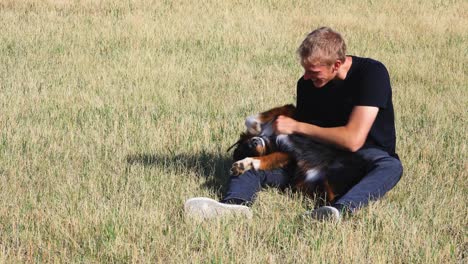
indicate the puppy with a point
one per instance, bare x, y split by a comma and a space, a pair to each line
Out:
260, 149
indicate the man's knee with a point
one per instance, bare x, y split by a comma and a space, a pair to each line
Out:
398, 167
388, 167
378, 158
390, 164
390, 170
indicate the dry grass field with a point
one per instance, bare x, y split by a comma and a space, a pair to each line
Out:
113, 113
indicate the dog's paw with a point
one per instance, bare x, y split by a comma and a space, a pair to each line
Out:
244, 165
253, 125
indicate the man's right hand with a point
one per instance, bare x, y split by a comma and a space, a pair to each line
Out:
285, 125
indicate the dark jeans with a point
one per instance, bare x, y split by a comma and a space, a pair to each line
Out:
381, 172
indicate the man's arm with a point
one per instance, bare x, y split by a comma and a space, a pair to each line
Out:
351, 137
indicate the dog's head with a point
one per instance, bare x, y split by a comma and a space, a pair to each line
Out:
250, 145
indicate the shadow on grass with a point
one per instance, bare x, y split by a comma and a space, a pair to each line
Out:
213, 167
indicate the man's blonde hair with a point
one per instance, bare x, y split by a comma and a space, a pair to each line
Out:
322, 46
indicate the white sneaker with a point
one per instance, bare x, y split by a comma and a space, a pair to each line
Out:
329, 213
206, 208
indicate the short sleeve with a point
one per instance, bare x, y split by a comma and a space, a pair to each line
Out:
374, 86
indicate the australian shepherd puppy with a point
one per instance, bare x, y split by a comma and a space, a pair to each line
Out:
260, 149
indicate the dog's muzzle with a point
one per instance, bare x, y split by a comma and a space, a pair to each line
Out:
258, 140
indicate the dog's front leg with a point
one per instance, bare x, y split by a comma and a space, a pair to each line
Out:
244, 165
254, 123
272, 161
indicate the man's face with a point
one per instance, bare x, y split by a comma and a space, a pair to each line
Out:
320, 74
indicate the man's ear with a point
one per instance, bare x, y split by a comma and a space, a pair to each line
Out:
337, 65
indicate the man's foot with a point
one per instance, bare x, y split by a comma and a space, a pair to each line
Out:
328, 213
206, 208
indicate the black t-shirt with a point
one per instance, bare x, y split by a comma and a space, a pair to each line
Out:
367, 83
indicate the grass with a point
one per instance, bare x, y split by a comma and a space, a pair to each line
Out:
113, 113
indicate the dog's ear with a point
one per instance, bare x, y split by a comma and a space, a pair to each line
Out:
243, 137
235, 144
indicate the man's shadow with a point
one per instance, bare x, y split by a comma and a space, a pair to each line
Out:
213, 167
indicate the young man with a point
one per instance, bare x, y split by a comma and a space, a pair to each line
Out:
341, 100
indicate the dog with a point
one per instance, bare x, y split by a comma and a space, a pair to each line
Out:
259, 148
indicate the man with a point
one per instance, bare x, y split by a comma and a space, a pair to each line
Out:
341, 100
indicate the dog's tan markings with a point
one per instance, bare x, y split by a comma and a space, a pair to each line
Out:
272, 161
285, 110
330, 194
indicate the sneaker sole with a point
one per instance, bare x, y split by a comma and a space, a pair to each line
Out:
206, 208
325, 213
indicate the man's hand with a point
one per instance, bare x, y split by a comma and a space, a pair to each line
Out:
285, 125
